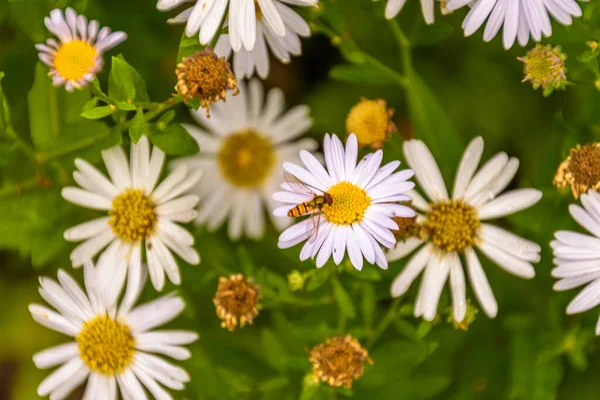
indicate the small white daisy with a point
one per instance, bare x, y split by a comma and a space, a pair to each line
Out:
362, 202
114, 346
140, 214
520, 18
241, 152
451, 226
393, 8
77, 58
577, 256
245, 62
242, 16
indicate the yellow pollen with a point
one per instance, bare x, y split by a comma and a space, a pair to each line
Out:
105, 345
132, 216
370, 121
75, 59
246, 158
348, 206
236, 301
339, 361
581, 170
452, 225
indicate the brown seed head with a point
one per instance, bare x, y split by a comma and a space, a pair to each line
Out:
205, 77
236, 301
581, 170
339, 361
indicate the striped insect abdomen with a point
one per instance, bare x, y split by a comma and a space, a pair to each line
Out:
305, 208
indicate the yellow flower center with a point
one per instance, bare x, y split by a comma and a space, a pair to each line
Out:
75, 59
452, 225
105, 345
348, 206
246, 158
370, 121
132, 215
339, 361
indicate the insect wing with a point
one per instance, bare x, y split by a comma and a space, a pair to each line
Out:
297, 185
313, 226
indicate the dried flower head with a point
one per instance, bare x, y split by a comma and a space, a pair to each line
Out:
371, 122
236, 301
581, 169
205, 77
545, 68
339, 361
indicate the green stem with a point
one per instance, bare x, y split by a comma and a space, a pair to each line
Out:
19, 187
404, 44
384, 323
22, 144
397, 77
88, 141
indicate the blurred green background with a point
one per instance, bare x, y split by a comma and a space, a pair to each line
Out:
531, 350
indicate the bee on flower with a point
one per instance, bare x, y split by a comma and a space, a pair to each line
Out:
350, 206
76, 57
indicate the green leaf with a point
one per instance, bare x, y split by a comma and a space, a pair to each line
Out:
125, 83
138, 127
188, 46
432, 124
51, 109
97, 112
368, 304
343, 300
4, 108
174, 139
273, 350
360, 74
273, 384
352, 53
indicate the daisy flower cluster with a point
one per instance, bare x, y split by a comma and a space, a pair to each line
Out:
255, 171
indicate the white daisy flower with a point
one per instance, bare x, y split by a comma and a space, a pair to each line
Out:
245, 62
453, 226
206, 15
77, 58
141, 214
520, 18
114, 346
393, 8
358, 204
241, 151
576, 256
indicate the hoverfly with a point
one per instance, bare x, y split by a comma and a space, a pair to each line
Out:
314, 206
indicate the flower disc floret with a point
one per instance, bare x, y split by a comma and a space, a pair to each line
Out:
75, 59
349, 204
452, 225
106, 346
132, 215
339, 361
246, 158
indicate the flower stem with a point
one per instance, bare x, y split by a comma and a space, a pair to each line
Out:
404, 44
384, 323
